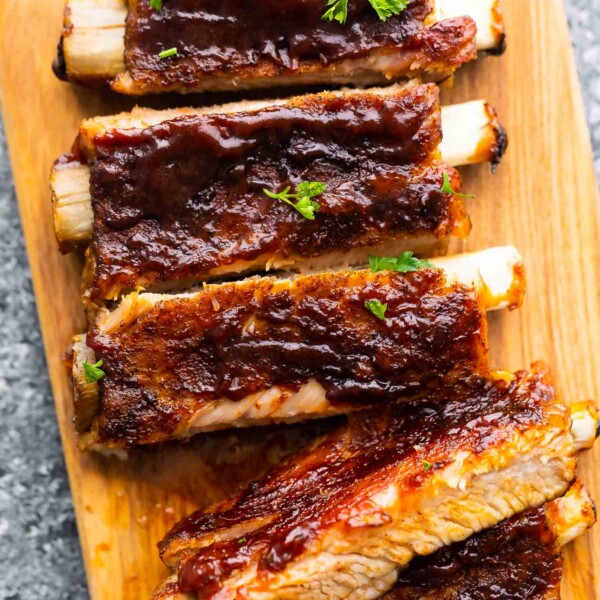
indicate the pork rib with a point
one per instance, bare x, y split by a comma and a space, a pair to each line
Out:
344, 517
173, 197
267, 350
241, 45
518, 559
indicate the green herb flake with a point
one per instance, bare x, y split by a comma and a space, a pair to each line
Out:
304, 204
377, 308
405, 263
242, 540
337, 10
447, 188
167, 53
387, 8
426, 465
93, 372
156, 4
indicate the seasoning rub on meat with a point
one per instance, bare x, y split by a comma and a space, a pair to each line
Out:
144, 46
173, 197
267, 350
343, 518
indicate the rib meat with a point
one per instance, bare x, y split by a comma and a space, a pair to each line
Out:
344, 517
518, 559
178, 197
267, 350
239, 45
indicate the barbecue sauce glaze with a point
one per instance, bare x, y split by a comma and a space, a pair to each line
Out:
177, 201
244, 39
322, 487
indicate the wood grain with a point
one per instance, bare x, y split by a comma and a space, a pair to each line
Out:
544, 200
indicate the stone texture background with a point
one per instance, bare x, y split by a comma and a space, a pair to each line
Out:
39, 551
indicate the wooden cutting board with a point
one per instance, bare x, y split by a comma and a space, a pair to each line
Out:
544, 199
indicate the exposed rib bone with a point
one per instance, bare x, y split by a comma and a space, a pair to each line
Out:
490, 32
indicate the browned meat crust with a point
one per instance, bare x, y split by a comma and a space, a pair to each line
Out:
519, 559
278, 518
237, 339
245, 41
183, 200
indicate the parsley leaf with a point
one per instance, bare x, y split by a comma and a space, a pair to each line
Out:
386, 8
447, 188
405, 263
426, 465
377, 308
93, 372
337, 11
242, 540
168, 53
305, 205
156, 4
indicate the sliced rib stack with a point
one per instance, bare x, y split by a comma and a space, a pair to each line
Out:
215, 301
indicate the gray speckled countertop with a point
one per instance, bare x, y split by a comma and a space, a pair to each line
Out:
39, 550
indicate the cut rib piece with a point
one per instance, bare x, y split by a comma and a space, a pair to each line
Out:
341, 519
518, 559
471, 134
178, 195
241, 45
268, 350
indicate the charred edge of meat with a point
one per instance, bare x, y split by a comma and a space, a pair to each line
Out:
59, 65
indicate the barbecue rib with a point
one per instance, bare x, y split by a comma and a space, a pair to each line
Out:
341, 519
518, 559
268, 350
178, 200
103, 41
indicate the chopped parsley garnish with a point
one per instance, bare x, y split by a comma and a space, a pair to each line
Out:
377, 308
405, 263
93, 372
447, 188
304, 204
426, 465
156, 4
242, 540
386, 8
337, 10
168, 53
